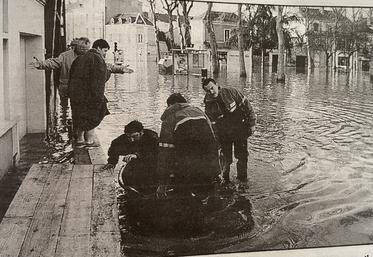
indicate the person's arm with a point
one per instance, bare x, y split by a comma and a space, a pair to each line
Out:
113, 68
244, 103
97, 72
49, 64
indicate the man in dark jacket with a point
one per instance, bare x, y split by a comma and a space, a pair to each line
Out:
140, 146
188, 152
234, 120
88, 76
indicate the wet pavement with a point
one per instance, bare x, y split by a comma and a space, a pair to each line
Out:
310, 164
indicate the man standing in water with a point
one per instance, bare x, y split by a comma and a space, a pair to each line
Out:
234, 119
188, 150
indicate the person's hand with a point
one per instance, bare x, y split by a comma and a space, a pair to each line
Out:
129, 157
127, 70
35, 64
161, 192
109, 167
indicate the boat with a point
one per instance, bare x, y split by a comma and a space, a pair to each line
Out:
187, 209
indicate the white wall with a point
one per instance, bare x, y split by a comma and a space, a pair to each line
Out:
85, 20
22, 90
126, 37
197, 33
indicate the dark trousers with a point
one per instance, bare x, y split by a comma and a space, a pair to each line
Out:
241, 154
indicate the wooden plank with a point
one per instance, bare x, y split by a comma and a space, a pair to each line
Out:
77, 216
28, 195
41, 239
82, 171
105, 244
104, 204
97, 155
12, 234
74, 246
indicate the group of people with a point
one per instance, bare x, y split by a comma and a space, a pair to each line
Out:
83, 74
187, 150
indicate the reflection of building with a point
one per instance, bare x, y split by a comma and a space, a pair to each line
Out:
22, 95
87, 18
132, 35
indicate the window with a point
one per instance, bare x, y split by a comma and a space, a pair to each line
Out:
139, 38
315, 27
226, 34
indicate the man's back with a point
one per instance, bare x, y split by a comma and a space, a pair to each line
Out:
195, 149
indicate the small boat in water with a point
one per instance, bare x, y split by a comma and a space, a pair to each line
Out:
187, 210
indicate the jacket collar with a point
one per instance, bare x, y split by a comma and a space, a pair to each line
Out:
173, 109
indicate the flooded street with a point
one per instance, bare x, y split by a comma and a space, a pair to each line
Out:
311, 158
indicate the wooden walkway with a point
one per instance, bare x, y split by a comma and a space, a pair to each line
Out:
63, 210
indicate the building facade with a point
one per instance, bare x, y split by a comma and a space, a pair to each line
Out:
22, 92
87, 18
133, 37
223, 22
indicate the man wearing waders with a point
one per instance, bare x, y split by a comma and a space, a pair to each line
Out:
233, 119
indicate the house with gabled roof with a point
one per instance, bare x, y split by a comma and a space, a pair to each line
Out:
131, 37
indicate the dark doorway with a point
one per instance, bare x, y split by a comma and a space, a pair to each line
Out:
300, 61
274, 62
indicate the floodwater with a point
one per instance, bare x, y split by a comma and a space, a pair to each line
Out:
310, 164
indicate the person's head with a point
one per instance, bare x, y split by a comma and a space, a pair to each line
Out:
175, 98
210, 87
102, 46
134, 130
82, 45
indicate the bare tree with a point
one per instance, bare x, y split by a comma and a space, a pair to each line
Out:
182, 38
338, 14
213, 44
281, 46
186, 8
309, 17
241, 55
152, 8
170, 6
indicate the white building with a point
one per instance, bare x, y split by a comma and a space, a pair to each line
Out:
22, 92
134, 36
87, 18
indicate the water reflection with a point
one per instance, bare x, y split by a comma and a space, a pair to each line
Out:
310, 170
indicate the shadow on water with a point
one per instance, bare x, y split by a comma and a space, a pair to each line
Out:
310, 160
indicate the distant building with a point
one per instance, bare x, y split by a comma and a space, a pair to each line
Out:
163, 25
87, 18
22, 92
223, 22
133, 37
